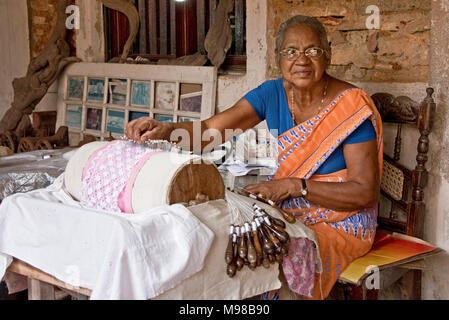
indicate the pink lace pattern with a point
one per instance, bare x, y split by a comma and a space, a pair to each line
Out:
300, 265
108, 172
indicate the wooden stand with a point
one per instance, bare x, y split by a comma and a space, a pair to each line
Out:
193, 179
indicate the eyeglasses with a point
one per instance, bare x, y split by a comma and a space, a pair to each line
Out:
293, 54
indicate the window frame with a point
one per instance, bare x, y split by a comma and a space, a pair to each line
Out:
184, 17
153, 74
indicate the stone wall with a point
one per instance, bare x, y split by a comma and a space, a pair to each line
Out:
396, 52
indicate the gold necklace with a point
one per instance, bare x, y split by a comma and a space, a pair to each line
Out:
319, 109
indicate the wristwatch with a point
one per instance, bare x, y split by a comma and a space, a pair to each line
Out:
304, 190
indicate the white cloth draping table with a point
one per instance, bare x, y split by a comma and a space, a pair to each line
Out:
117, 256
169, 252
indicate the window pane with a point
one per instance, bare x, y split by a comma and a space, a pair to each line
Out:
117, 91
73, 116
163, 118
95, 90
75, 88
133, 115
190, 98
191, 102
186, 119
115, 121
93, 119
165, 95
141, 93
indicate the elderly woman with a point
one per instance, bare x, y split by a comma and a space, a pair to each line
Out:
330, 146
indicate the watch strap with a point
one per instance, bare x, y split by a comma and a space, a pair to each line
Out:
303, 187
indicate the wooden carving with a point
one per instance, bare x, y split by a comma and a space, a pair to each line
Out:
219, 37
396, 109
42, 72
8, 139
58, 140
130, 11
399, 110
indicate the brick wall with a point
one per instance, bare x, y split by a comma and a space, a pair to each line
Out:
396, 52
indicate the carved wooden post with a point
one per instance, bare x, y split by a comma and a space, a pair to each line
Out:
419, 176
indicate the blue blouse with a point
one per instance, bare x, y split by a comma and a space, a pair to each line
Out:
270, 103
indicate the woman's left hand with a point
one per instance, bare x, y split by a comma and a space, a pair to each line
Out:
275, 190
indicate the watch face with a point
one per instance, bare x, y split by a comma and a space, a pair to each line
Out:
304, 192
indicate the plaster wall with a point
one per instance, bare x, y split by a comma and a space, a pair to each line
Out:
90, 46
15, 48
232, 87
436, 279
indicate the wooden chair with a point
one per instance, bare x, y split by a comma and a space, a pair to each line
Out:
402, 207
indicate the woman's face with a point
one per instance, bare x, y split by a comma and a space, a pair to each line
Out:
302, 72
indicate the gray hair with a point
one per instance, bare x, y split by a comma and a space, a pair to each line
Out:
303, 20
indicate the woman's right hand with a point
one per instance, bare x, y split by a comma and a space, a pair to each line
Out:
146, 128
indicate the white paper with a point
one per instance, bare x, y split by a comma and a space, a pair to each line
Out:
238, 168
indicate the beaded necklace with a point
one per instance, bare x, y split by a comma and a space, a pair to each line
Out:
293, 101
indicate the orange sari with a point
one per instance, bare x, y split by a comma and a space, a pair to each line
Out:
342, 236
